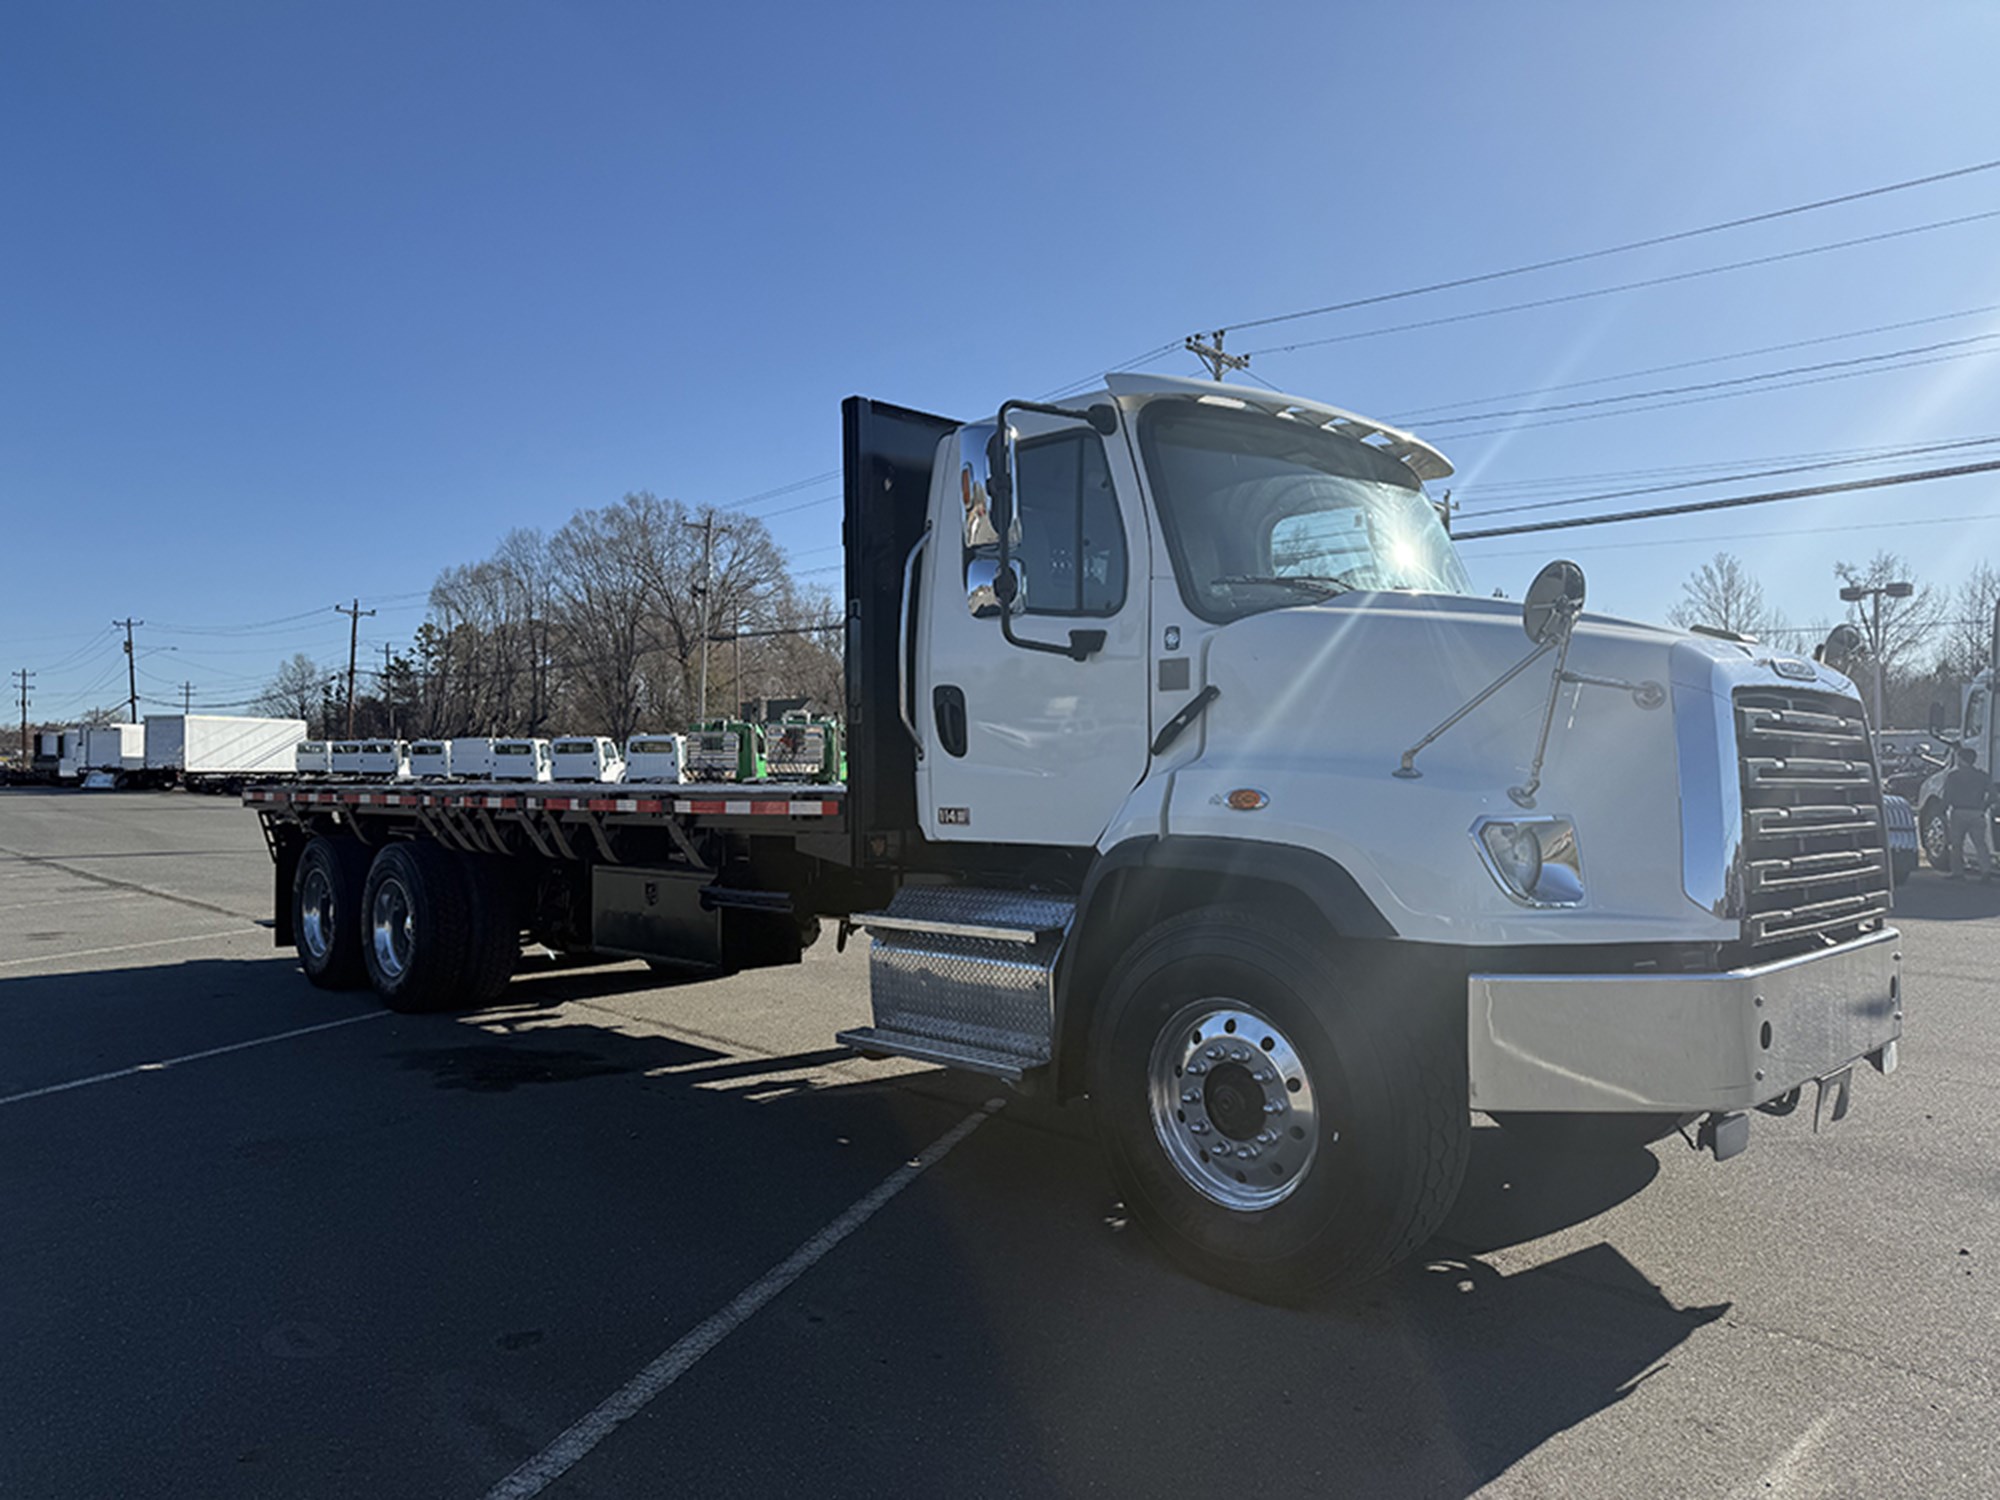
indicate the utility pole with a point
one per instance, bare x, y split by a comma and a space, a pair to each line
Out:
707, 527
131, 669
187, 698
736, 670
386, 701
354, 612
21, 680
1211, 354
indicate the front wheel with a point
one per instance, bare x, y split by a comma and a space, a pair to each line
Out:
1937, 837
1281, 1119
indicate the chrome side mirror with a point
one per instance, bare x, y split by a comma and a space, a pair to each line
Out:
975, 486
983, 588
1554, 601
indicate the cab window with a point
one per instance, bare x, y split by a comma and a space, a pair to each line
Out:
1072, 547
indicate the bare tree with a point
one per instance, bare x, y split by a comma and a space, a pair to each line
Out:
605, 563
1723, 595
297, 692
1968, 636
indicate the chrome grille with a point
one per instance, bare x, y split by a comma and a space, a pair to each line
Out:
1815, 854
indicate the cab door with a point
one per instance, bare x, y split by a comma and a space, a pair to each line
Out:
1027, 746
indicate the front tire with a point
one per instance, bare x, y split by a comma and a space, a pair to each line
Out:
418, 940
1279, 1118
1936, 830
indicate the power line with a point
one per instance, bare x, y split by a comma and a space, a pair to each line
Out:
1430, 413
1703, 400
1691, 484
1621, 249
781, 490
1707, 538
1632, 286
1883, 481
1608, 476
1715, 385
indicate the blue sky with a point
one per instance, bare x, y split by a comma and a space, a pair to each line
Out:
309, 301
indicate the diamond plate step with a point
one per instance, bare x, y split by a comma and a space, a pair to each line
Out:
875, 1041
962, 911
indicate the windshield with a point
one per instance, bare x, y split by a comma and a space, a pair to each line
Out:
1262, 511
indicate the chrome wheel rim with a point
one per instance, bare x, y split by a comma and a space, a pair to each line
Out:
1936, 840
316, 913
393, 923
1233, 1105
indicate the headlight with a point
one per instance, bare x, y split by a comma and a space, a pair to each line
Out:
1534, 860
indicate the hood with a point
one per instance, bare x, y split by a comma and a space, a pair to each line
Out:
1317, 705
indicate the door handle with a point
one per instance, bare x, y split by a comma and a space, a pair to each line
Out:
903, 709
948, 718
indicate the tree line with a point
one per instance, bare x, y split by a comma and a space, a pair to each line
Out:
594, 629
1929, 641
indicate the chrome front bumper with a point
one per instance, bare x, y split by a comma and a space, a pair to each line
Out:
1683, 1043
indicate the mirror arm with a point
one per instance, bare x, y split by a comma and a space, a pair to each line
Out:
1524, 795
1408, 769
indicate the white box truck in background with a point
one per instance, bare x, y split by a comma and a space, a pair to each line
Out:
217, 752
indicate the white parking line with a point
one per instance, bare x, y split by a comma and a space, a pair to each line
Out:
539, 1472
192, 937
174, 1062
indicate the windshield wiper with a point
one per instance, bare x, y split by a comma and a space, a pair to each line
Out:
1316, 583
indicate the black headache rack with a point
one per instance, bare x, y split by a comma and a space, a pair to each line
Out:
888, 453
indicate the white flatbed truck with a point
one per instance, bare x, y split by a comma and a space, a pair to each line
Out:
1187, 774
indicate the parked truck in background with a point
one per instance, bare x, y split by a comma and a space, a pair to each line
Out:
1972, 728
1187, 774
217, 752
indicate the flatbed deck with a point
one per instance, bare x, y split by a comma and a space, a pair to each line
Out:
716, 799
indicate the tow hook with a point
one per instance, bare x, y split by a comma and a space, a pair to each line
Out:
1726, 1134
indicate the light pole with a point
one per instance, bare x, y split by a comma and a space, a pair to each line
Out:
1854, 593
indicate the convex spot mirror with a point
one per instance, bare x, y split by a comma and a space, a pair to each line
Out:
1554, 601
987, 588
1843, 648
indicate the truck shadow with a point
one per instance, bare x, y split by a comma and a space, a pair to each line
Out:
1931, 896
431, 1187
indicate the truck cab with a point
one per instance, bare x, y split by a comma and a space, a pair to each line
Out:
1195, 759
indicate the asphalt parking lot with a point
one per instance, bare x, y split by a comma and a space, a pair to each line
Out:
258, 1239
